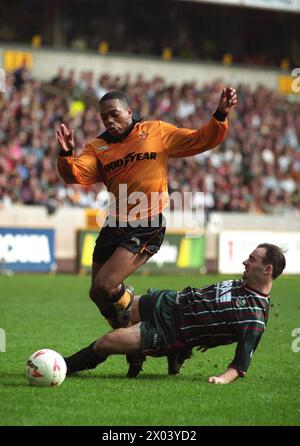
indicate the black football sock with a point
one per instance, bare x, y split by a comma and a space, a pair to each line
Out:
108, 313
84, 359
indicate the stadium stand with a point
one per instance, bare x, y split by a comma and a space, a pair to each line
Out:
192, 30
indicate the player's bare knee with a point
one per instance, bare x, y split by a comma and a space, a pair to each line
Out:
105, 344
103, 288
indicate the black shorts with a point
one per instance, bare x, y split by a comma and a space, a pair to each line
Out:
159, 322
142, 239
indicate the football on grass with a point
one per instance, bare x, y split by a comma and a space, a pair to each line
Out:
45, 368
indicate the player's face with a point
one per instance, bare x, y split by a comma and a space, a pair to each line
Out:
254, 267
115, 116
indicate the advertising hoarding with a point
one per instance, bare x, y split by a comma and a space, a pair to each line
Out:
235, 247
178, 252
26, 249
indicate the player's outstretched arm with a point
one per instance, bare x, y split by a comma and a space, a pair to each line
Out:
180, 142
82, 169
228, 100
225, 378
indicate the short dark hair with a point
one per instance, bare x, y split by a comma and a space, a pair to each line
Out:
274, 256
115, 94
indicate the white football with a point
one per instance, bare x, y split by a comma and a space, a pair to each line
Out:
45, 368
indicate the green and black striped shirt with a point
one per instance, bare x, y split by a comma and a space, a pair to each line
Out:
223, 313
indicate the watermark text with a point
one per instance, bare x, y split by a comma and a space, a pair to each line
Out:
2, 81
296, 81
143, 209
2, 340
296, 342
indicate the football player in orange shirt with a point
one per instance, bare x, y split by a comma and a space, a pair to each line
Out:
131, 157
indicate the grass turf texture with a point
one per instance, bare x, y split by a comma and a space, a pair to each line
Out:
55, 312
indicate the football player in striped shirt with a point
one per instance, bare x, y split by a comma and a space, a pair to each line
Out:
167, 322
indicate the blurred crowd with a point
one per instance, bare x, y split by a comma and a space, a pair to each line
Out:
256, 168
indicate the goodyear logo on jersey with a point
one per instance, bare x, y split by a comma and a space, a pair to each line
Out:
130, 158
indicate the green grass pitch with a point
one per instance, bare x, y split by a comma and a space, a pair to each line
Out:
54, 312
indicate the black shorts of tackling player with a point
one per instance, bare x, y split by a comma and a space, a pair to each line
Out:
141, 239
159, 331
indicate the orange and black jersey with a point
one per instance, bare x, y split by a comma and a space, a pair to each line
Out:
223, 313
139, 161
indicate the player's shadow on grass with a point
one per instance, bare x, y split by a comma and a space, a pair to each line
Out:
141, 377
